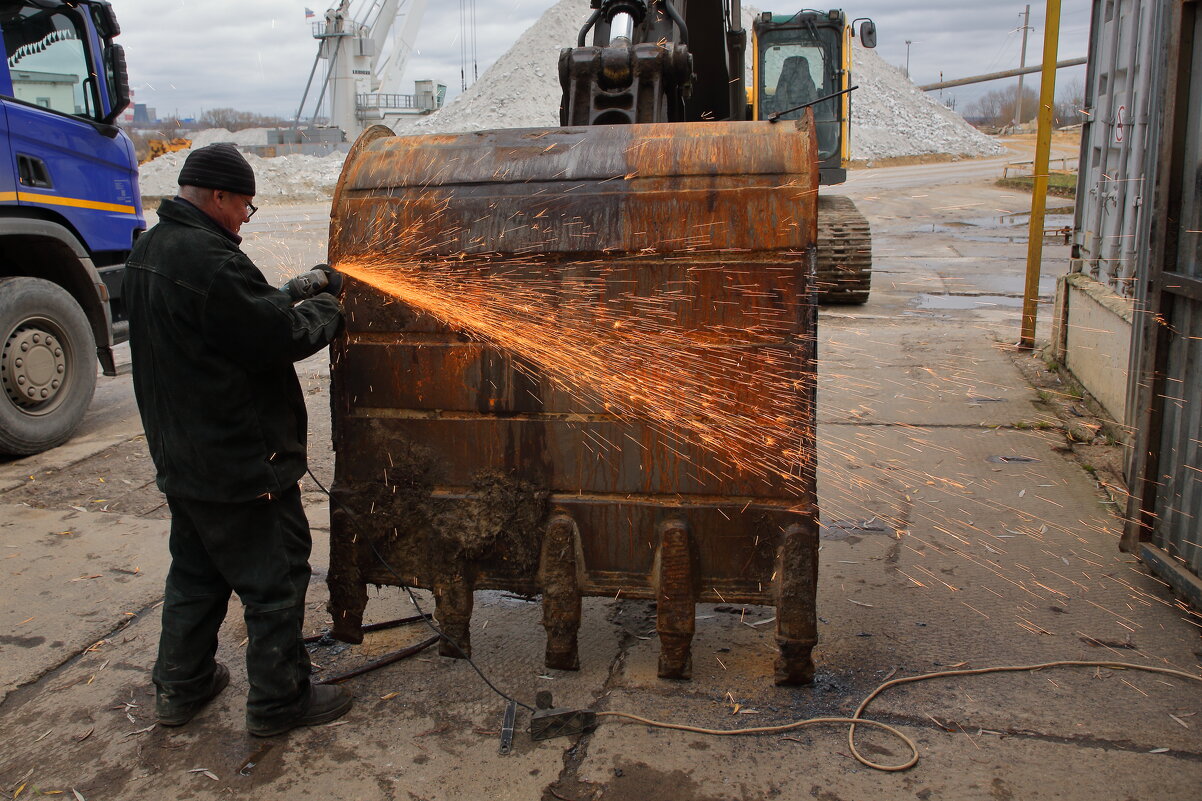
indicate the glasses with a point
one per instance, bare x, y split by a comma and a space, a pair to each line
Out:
251, 208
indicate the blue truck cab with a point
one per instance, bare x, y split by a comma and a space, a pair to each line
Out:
69, 213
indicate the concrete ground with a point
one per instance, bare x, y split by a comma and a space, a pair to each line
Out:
958, 533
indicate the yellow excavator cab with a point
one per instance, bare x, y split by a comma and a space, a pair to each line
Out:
803, 57
797, 60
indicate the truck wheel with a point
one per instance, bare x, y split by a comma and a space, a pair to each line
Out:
47, 365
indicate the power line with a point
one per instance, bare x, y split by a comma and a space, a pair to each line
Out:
467, 42
1002, 51
462, 46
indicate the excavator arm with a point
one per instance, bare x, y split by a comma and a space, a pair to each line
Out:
655, 61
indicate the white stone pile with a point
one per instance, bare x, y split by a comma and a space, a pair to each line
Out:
891, 117
293, 178
521, 88
247, 137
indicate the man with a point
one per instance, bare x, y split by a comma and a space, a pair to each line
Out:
213, 346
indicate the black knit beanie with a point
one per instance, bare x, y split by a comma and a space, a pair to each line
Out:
218, 166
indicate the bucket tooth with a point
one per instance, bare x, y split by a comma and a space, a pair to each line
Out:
559, 577
676, 600
796, 616
348, 616
348, 591
453, 610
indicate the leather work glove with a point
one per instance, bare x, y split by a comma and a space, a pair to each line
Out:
334, 278
322, 278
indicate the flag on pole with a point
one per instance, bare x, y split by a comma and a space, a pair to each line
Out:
309, 13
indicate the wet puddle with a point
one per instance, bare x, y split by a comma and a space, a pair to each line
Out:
1007, 228
969, 302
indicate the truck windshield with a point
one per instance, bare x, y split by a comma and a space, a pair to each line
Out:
48, 60
794, 72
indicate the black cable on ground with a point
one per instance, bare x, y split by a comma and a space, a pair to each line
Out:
856, 720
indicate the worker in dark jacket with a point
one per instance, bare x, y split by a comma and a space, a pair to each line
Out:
213, 346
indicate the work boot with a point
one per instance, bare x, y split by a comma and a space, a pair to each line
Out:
183, 714
326, 703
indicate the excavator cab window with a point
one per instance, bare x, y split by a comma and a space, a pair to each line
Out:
794, 73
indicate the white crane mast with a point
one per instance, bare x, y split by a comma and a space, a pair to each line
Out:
404, 38
366, 53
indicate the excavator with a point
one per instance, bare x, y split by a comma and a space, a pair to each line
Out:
662, 61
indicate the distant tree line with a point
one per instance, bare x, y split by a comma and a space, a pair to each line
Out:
234, 120
996, 109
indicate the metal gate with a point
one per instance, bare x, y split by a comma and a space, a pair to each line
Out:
1165, 512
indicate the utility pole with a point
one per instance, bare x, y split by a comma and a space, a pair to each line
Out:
1039, 192
908, 43
1022, 63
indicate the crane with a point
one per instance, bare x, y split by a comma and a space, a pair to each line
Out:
366, 51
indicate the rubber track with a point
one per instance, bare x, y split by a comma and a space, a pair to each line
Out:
844, 252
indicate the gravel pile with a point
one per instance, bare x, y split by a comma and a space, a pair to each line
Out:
283, 178
891, 117
521, 88
247, 137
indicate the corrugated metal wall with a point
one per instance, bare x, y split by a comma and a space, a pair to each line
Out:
1165, 515
1116, 171
1179, 501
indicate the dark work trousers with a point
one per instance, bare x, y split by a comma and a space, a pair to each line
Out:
260, 550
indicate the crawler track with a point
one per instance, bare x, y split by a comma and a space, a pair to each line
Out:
844, 252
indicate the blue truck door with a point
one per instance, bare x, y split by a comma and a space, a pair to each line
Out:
8, 181
53, 108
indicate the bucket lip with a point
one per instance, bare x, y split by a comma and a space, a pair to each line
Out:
755, 150
650, 131
362, 143
711, 127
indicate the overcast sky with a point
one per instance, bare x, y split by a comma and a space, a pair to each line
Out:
186, 56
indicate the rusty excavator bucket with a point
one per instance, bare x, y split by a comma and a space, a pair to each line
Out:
580, 362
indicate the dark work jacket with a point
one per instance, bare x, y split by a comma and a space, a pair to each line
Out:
213, 345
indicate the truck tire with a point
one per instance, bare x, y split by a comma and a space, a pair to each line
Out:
47, 365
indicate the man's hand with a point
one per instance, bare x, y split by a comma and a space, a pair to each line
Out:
322, 278
333, 279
